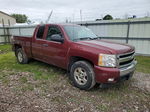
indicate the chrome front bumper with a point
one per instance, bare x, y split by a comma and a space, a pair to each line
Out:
128, 70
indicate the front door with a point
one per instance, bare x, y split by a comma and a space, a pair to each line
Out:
55, 52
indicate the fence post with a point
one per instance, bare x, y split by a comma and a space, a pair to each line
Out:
19, 31
128, 31
4, 30
8, 33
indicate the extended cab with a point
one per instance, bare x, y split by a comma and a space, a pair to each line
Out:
87, 58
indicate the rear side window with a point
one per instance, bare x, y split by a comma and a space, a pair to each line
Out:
40, 32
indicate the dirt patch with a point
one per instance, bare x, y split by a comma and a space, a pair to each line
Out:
142, 81
21, 92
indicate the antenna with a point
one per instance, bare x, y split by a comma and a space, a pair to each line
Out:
49, 16
81, 16
73, 23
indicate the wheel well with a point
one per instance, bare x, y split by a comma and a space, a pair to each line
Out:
16, 46
74, 59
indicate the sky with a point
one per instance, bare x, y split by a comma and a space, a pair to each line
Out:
74, 10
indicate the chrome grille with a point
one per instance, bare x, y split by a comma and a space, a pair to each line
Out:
125, 60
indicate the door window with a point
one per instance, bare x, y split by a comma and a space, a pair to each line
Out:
52, 30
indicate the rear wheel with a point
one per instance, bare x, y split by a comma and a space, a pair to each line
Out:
21, 56
82, 75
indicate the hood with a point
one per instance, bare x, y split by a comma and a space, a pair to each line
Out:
113, 47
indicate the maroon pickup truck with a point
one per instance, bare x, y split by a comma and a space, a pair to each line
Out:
87, 58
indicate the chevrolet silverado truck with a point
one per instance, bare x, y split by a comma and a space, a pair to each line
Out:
87, 59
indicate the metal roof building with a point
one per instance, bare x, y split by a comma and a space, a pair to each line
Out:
135, 32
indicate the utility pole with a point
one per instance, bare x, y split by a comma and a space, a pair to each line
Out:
66, 20
81, 16
148, 14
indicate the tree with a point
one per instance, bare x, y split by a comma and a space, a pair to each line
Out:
107, 17
20, 18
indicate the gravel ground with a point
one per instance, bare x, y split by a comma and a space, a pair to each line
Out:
20, 92
142, 81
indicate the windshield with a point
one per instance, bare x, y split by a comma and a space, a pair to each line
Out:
76, 32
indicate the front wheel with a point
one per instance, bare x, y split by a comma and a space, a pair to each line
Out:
82, 75
21, 56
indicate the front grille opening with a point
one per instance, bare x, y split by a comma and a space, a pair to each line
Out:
126, 55
126, 62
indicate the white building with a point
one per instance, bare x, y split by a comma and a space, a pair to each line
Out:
6, 19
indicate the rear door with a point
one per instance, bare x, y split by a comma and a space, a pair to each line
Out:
55, 52
37, 43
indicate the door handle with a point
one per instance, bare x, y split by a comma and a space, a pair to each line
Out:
45, 45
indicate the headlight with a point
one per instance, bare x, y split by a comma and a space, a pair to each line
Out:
107, 60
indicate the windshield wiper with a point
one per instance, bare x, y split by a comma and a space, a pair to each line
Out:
91, 38
94, 38
87, 38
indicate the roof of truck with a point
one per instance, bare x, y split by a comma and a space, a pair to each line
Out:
61, 24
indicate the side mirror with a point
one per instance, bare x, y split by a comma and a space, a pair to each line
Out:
57, 38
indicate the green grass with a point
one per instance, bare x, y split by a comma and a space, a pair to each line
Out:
40, 70
102, 107
27, 87
23, 79
5, 48
143, 64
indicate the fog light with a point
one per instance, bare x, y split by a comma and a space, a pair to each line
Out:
110, 79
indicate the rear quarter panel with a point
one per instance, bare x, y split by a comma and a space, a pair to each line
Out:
25, 43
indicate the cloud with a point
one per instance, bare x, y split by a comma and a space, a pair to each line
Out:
70, 9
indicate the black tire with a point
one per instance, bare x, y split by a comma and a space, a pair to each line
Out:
88, 79
21, 56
